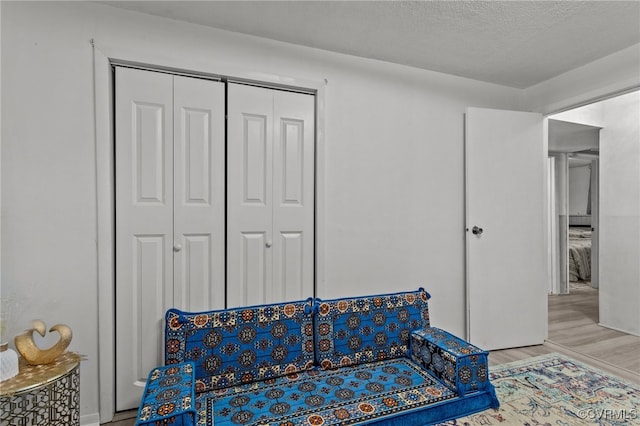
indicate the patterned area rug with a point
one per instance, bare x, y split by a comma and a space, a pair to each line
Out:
556, 390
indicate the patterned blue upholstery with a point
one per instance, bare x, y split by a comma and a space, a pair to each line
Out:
366, 329
169, 397
326, 397
315, 362
243, 345
460, 365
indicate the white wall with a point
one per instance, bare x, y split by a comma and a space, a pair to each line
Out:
393, 150
565, 136
579, 178
620, 214
588, 115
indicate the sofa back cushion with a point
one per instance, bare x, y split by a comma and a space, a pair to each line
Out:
235, 346
364, 329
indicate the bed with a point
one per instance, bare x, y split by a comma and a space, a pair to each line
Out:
579, 253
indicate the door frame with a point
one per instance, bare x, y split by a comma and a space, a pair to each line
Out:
104, 116
552, 225
573, 103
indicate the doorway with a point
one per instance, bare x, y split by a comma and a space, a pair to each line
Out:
574, 140
597, 194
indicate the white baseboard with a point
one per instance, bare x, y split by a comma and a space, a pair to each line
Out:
619, 329
90, 420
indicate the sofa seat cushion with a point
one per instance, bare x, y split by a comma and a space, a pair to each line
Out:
243, 345
348, 395
366, 329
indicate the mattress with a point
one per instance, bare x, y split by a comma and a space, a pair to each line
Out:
579, 254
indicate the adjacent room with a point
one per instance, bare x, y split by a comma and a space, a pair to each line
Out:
219, 155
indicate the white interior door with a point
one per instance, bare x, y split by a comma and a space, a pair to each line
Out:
293, 196
506, 228
199, 194
169, 213
144, 225
249, 197
270, 195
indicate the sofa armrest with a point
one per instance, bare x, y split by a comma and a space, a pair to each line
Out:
461, 366
169, 396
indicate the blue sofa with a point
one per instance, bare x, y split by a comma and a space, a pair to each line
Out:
361, 360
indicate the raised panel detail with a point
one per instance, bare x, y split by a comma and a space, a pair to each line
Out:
255, 159
292, 161
253, 268
196, 145
148, 155
197, 270
148, 293
292, 261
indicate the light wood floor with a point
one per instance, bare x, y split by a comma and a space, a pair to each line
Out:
573, 331
573, 322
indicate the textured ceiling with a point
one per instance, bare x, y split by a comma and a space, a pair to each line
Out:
512, 43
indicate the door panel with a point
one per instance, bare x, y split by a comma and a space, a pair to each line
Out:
507, 257
149, 153
270, 198
195, 263
293, 192
249, 201
144, 225
254, 270
150, 298
256, 151
199, 164
291, 268
194, 143
293, 162
169, 213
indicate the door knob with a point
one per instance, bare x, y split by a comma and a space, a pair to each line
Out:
268, 244
476, 230
177, 247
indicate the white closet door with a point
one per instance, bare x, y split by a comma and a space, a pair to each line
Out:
249, 198
144, 225
293, 196
199, 161
270, 195
169, 213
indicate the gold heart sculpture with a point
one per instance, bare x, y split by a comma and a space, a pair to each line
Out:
32, 353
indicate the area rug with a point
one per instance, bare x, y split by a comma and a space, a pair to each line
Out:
556, 390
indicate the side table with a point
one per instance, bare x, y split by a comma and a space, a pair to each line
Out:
43, 394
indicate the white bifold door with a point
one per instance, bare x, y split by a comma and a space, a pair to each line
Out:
506, 210
169, 183
176, 243
270, 195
